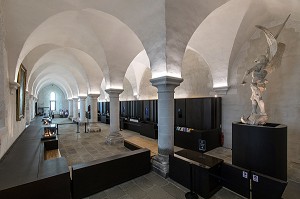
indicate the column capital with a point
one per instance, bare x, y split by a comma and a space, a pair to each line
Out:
221, 90
75, 98
166, 83
13, 87
82, 97
93, 95
70, 99
114, 92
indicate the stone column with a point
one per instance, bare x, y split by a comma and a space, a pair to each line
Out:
82, 109
166, 86
114, 107
70, 108
75, 109
93, 125
27, 109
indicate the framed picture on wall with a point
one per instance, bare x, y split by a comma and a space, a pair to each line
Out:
21, 93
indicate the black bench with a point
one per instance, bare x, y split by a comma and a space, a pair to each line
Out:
25, 174
95, 176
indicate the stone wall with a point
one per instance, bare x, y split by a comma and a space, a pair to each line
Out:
44, 98
196, 75
2, 62
147, 91
127, 94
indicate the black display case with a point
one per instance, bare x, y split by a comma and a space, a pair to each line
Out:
49, 132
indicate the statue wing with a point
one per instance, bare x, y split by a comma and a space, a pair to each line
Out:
275, 62
272, 49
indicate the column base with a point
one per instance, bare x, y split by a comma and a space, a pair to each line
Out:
74, 119
113, 138
81, 123
160, 165
94, 128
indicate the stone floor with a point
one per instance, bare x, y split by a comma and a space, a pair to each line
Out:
84, 147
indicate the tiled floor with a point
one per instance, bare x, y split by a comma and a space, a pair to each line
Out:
83, 147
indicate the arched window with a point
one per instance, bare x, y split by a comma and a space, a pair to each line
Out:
52, 101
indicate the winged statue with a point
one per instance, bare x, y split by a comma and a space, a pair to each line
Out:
265, 64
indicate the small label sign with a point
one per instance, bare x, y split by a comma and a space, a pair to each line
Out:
245, 174
202, 145
255, 178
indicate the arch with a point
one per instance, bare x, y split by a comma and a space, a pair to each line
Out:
197, 77
127, 94
215, 36
83, 30
60, 81
76, 84
80, 65
136, 70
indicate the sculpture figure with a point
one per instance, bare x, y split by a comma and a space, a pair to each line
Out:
265, 64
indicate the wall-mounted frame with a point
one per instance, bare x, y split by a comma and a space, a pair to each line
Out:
20, 97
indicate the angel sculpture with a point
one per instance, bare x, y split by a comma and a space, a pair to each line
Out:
265, 64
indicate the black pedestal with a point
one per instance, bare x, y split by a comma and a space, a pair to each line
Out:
261, 149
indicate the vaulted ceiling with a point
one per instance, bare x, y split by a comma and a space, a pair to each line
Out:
88, 46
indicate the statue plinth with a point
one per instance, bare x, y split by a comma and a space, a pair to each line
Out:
260, 148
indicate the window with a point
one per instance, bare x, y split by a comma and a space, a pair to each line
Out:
52, 101
78, 105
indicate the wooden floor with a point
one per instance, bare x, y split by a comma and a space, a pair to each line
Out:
52, 154
144, 143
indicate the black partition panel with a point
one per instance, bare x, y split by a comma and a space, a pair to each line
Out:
264, 186
180, 112
194, 115
236, 179
154, 112
103, 107
217, 110
200, 113
124, 108
146, 110
139, 110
